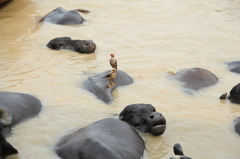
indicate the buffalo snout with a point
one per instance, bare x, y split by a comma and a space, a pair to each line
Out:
156, 123
144, 118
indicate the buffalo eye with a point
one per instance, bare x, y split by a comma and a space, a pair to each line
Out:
151, 116
57, 47
60, 45
87, 43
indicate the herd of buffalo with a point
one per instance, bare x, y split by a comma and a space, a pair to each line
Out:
108, 138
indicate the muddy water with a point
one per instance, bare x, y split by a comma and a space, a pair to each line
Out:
149, 38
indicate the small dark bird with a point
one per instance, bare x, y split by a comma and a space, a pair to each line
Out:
113, 61
111, 76
177, 149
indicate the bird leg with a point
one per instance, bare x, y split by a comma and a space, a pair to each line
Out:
113, 84
109, 84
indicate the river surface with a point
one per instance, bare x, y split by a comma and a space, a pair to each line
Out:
149, 38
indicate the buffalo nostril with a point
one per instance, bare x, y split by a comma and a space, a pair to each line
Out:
151, 116
87, 43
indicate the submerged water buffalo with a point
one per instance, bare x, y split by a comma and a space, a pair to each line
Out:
104, 139
196, 78
237, 125
14, 108
177, 149
112, 138
98, 84
234, 66
81, 46
234, 94
144, 118
64, 17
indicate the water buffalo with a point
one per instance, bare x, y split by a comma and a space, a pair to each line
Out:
144, 118
177, 149
64, 17
98, 84
196, 78
237, 125
234, 96
234, 66
105, 139
81, 46
14, 108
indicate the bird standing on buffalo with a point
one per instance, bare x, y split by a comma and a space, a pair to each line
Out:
113, 61
111, 76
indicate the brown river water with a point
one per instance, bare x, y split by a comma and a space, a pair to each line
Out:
149, 38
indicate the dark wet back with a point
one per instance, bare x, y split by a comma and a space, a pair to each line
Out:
21, 106
234, 66
97, 84
196, 78
64, 17
104, 139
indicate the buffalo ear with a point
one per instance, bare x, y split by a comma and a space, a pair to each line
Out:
5, 117
177, 148
8, 149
